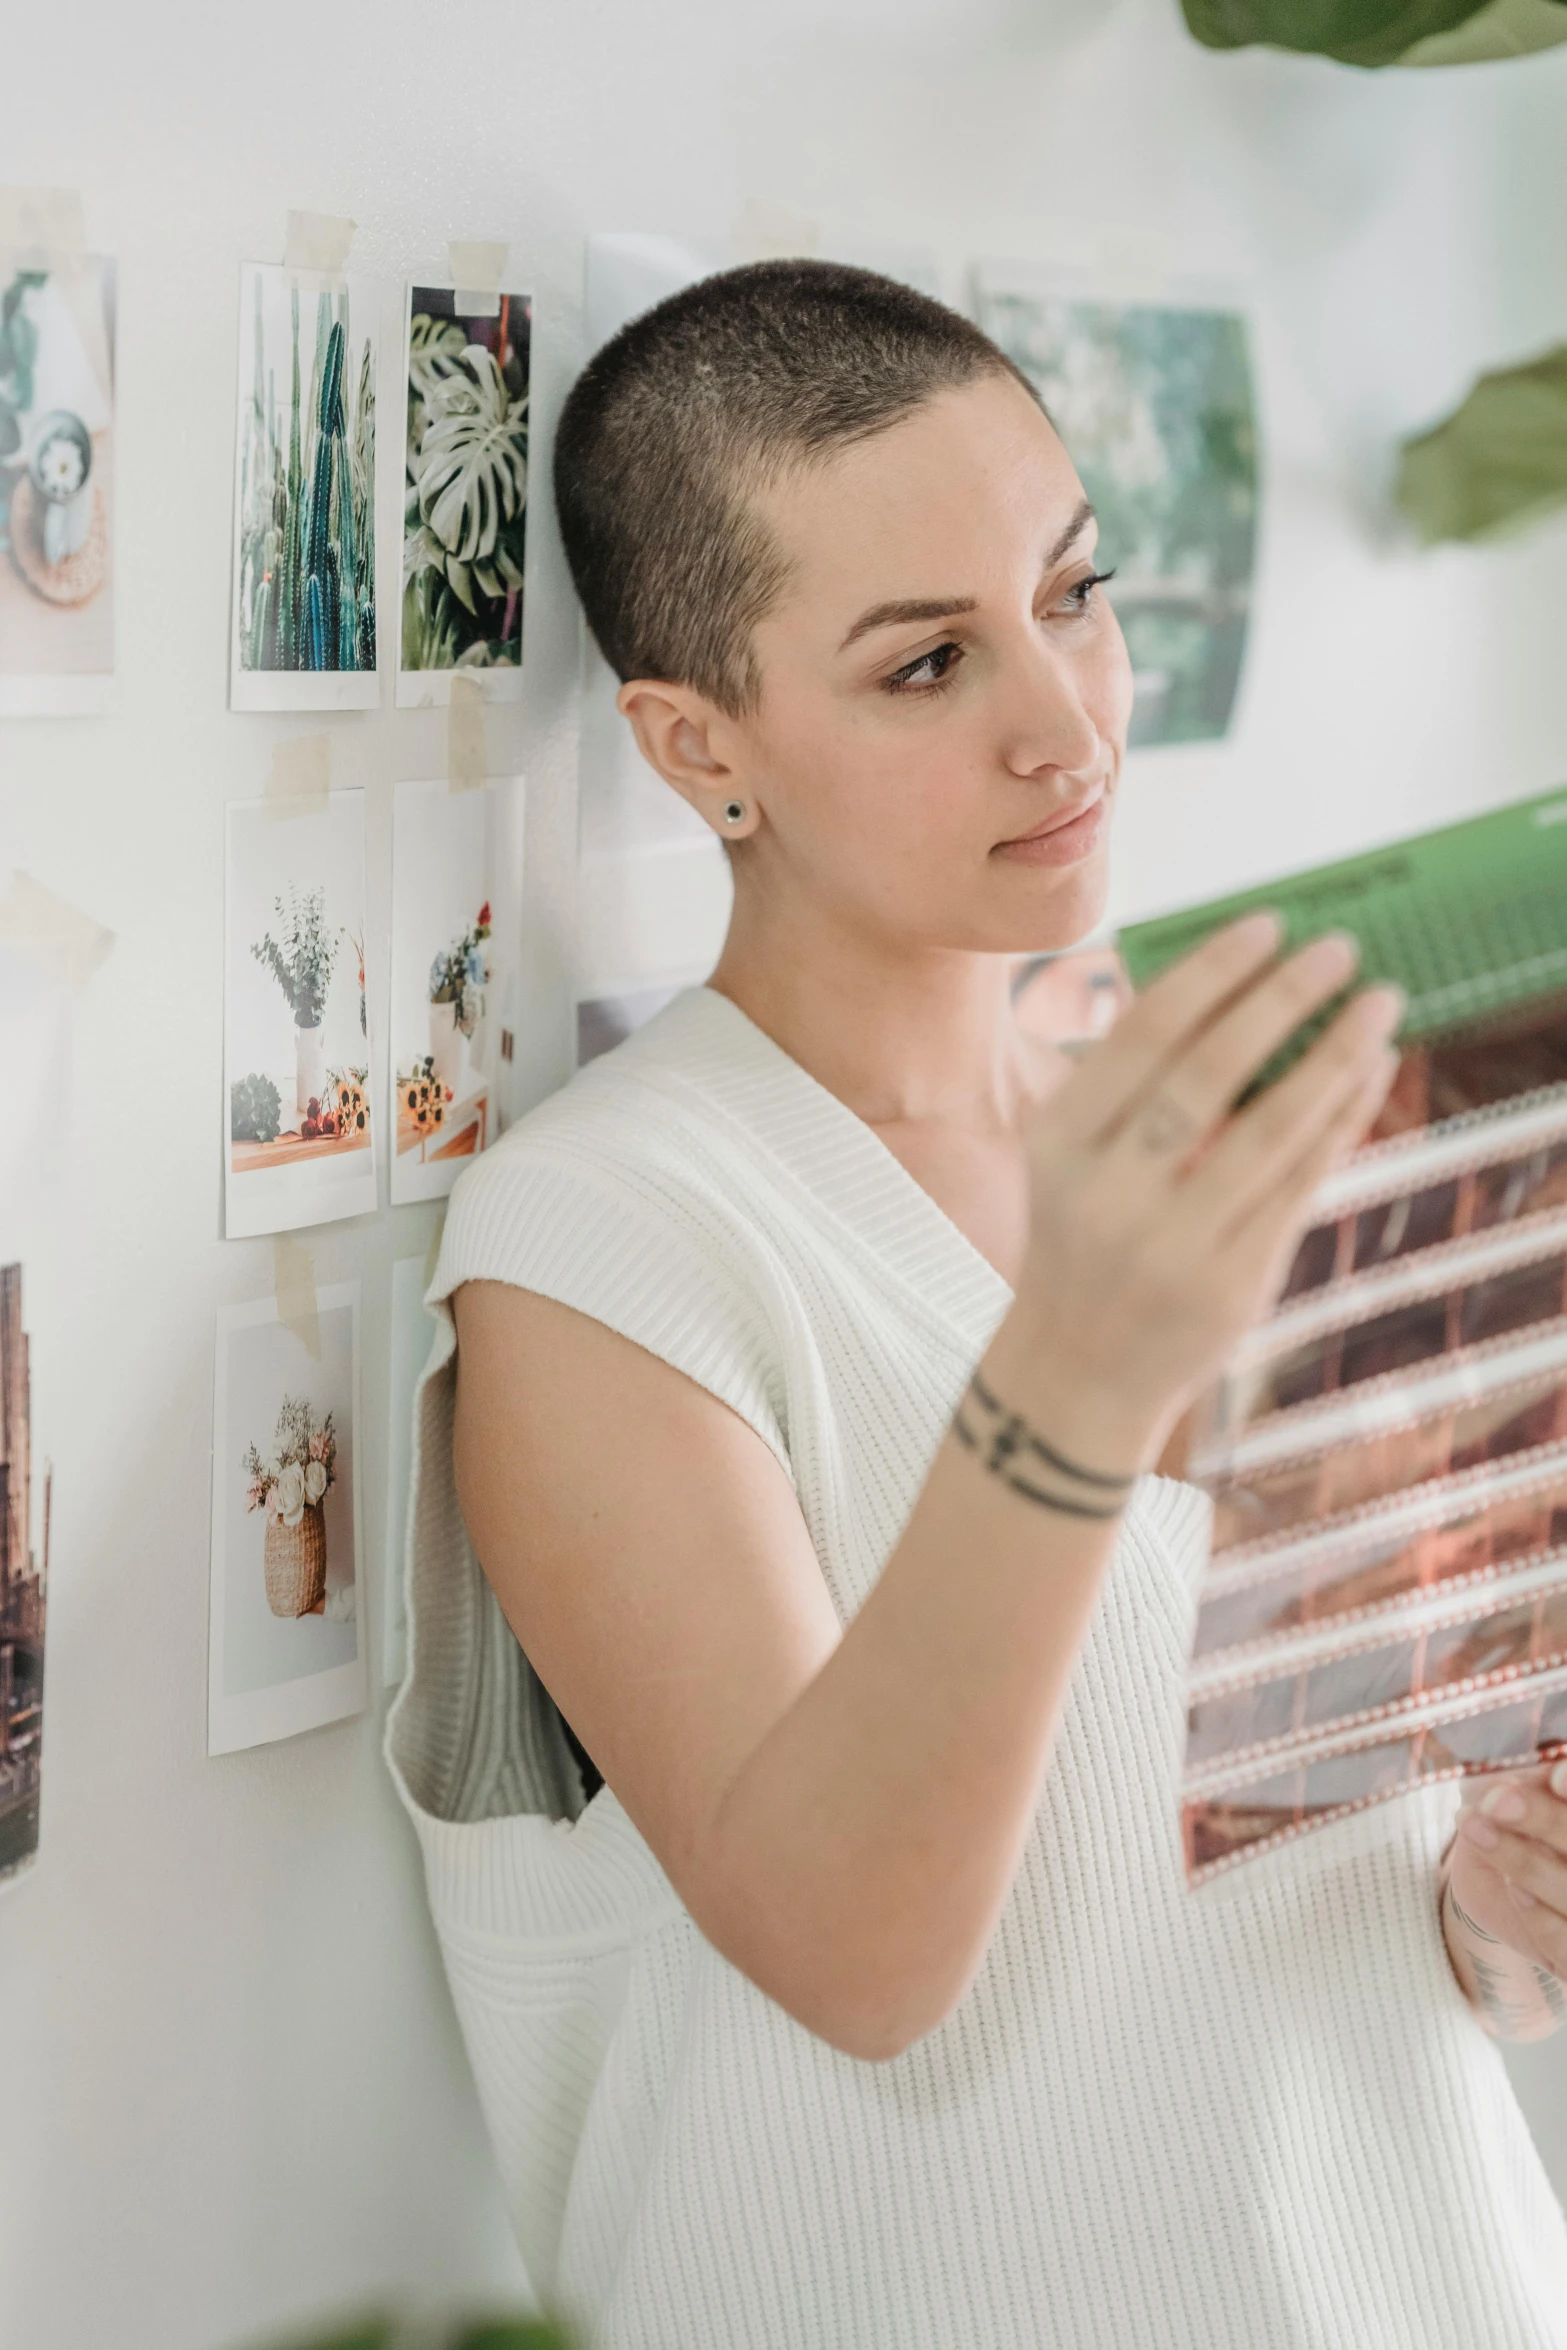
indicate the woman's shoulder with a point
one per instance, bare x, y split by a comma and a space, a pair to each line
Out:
623, 1196
634, 1128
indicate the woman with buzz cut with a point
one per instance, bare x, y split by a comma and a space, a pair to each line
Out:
799, 1617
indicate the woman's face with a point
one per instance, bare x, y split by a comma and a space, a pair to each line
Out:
944, 688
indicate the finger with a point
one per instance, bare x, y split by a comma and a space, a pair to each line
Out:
1275, 1152
1196, 1088
1521, 1807
1264, 1242
1535, 1877
1169, 1010
1521, 1860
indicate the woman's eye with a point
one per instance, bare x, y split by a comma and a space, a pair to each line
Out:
931, 669
1079, 596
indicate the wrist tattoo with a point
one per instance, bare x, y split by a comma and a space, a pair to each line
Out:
1013, 1451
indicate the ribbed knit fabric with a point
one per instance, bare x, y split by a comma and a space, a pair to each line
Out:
1259, 2116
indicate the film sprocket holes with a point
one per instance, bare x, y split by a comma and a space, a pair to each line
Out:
1386, 1600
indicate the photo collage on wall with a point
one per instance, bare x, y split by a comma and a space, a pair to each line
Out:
57, 329
1157, 405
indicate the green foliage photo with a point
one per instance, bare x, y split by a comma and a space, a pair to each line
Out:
301, 961
306, 586
466, 486
255, 1109
1384, 32
1156, 405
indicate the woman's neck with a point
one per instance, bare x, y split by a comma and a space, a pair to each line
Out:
905, 1037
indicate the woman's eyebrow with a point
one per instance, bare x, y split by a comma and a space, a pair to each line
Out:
898, 613
901, 611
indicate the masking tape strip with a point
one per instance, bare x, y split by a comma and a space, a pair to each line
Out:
466, 759
294, 1286
766, 232
42, 223
477, 273
317, 243
300, 783
63, 941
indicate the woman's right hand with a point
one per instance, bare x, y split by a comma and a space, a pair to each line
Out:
1163, 1220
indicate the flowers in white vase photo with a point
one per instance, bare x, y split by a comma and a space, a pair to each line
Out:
287, 1648
300, 1141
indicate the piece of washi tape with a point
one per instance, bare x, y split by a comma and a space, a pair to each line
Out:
316, 245
766, 232
42, 224
294, 1286
466, 758
477, 273
63, 941
300, 783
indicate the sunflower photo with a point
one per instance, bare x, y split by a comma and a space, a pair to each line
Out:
465, 495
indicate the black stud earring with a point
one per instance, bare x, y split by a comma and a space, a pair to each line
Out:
735, 812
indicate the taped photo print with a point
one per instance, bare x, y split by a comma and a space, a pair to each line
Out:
57, 459
299, 1142
456, 877
286, 1632
303, 631
1155, 403
465, 494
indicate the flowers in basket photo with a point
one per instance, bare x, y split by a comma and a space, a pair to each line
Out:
298, 1025
286, 1637
290, 1486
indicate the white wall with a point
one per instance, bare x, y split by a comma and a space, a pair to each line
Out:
232, 2091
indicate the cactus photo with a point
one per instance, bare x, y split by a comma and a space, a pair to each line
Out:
465, 493
304, 610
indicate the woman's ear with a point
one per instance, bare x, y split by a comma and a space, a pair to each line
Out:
684, 737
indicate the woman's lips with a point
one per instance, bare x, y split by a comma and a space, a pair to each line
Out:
1059, 844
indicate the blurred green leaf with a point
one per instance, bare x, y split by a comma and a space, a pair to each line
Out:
1498, 462
1383, 32
512, 2333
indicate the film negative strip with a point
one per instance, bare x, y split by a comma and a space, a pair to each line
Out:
1386, 1600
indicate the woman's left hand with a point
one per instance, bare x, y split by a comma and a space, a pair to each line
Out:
1509, 1864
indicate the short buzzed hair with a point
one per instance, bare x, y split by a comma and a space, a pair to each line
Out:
703, 398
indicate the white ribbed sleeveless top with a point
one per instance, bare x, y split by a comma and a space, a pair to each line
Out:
1258, 2116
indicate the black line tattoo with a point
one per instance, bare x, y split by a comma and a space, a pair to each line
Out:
1007, 1444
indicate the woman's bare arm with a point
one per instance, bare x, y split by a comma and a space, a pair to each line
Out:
844, 1817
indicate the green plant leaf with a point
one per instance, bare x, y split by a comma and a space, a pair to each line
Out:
1503, 29
1381, 32
472, 468
1498, 462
